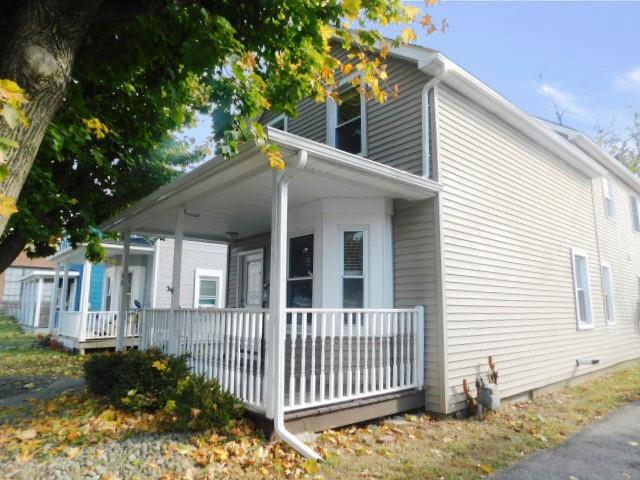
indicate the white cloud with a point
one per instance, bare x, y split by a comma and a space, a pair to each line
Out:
563, 100
630, 81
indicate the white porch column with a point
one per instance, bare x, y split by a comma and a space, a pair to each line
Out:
54, 299
175, 282
38, 297
277, 295
65, 286
85, 289
124, 288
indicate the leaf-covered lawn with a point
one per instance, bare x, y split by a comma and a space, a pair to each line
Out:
18, 356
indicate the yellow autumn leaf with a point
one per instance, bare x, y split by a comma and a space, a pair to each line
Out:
26, 434
351, 8
310, 466
346, 68
411, 12
486, 468
7, 205
408, 35
426, 20
430, 3
11, 92
158, 365
96, 127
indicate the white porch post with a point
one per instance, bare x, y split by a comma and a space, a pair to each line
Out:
38, 296
85, 289
124, 288
54, 299
176, 280
65, 286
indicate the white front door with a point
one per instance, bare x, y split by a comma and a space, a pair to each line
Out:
251, 280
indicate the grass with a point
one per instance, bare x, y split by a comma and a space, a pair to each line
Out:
19, 356
426, 447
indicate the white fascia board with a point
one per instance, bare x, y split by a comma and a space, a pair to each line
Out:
492, 101
110, 248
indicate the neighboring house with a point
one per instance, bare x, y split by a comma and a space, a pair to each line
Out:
11, 281
86, 314
517, 242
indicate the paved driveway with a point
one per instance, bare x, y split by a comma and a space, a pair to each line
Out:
608, 449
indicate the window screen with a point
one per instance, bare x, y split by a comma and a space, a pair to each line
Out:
635, 214
609, 203
12, 284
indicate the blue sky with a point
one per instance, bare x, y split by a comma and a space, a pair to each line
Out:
584, 56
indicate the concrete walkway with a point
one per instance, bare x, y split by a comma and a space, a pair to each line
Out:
63, 385
608, 449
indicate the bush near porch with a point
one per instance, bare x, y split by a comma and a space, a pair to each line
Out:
149, 381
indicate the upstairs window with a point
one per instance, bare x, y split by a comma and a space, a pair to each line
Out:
300, 282
347, 122
281, 122
353, 274
582, 290
635, 213
609, 199
607, 294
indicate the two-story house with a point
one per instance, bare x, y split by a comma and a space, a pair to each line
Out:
403, 244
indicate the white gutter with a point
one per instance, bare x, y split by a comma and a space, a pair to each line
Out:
278, 309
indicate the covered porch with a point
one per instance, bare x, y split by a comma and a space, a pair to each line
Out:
84, 308
311, 319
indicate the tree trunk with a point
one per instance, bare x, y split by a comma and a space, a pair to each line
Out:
39, 55
10, 248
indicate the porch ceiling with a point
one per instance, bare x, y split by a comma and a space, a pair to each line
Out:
234, 195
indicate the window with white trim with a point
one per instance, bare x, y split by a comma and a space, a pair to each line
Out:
300, 278
207, 289
635, 213
353, 271
609, 197
607, 294
281, 122
347, 122
582, 289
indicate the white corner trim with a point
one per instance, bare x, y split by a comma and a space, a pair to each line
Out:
205, 272
582, 325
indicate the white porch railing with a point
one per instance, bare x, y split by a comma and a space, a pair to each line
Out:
225, 344
104, 324
338, 355
331, 355
95, 325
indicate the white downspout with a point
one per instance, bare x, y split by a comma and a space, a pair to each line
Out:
278, 306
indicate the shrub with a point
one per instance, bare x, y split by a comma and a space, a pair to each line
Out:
200, 404
42, 340
136, 380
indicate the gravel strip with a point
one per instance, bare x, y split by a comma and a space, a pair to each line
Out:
143, 456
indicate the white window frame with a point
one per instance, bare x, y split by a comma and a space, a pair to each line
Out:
581, 324
635, 218
277, 118
365, 262
609, 197
332, 117
610, 316
209, 273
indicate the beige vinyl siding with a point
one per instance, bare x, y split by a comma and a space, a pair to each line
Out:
620, 247
257, 242
415, 281
511, 214
394, 128
204, 255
